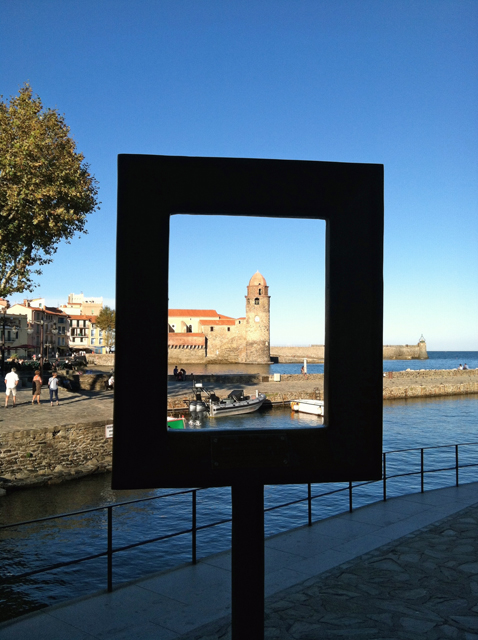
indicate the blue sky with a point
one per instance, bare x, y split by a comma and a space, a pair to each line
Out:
390, 82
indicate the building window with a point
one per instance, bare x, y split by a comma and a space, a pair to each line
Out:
211, 328
92, 341
92, 333
260, 292
256, 301
229, 328
100, 341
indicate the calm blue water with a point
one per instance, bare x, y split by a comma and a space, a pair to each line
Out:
407, 424
436, 360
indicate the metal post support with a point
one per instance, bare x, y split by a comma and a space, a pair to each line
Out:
110, 549
309, 502
456, 464
194, 529
247, 592
350, 497
384, 476
422, 478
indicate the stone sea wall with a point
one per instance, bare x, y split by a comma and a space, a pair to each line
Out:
46, 455
313, 353
316, 353
101, 359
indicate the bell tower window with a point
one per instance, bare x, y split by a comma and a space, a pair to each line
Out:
260, 292
256, 300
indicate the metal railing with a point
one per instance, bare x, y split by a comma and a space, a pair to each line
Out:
194, 528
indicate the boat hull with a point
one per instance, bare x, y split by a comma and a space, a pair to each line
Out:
313, 407
217, 410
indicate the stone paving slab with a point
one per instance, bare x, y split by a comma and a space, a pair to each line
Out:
73, 408
423, 586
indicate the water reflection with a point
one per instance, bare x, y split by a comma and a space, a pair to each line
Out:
263, 419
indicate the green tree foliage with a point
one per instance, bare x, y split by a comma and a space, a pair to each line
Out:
46, 190
106, 321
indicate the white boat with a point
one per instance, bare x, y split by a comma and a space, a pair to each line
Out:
314, 407
236, 403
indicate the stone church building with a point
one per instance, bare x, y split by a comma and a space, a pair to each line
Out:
205, 336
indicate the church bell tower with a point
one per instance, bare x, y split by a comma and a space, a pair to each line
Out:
258, 350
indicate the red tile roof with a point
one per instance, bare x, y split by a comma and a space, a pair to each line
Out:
229, 322
193, 313
76, 317
186, 339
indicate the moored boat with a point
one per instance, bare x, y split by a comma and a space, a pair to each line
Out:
236, 402
314, 407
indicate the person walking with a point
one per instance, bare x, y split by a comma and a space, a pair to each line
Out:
36, 387
11, 381
53, 384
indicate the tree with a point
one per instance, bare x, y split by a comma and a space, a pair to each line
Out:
46, 190
106, 321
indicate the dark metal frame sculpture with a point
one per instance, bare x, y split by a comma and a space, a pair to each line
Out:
349, 197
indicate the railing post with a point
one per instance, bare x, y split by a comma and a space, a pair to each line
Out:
309, 502
350, 496
384, 476
110, 549
421, 471
194, 528
456, 464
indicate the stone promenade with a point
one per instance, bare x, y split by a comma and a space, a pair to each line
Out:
73, 408
423, 586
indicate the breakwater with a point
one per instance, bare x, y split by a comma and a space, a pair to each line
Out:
316, 353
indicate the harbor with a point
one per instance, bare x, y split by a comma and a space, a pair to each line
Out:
44, 444
429, 423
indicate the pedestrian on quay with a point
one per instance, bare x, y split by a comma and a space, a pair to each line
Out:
36, 387
302, 370
175, 372
460, 368
11, 381
465, 366
53, 384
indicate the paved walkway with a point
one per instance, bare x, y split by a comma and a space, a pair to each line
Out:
404, 569
73, 408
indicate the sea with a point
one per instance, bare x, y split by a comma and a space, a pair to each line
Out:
436, 360
407, 424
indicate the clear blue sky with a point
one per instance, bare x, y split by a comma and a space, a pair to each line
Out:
392, 82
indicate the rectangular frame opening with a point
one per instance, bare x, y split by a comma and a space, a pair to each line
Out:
349, 197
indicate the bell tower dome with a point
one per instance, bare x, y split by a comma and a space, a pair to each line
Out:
258, 350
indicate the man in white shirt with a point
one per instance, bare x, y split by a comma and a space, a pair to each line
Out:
11, 381
53, 384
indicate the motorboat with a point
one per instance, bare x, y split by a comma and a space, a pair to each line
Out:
236, 402
314, 407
